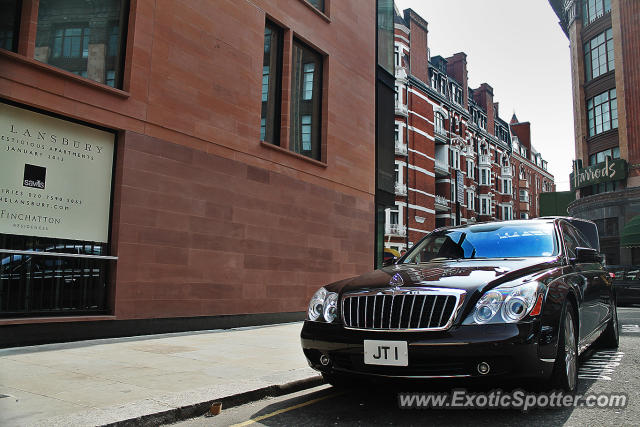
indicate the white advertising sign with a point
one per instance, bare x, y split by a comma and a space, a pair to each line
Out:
55, 177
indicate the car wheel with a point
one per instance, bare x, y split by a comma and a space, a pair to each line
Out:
610, 338
565, 371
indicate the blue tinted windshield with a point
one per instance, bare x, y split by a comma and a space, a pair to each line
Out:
494, 240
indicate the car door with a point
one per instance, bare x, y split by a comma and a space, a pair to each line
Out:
601, 281
583, 281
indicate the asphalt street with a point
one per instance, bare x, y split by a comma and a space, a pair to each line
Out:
601, 371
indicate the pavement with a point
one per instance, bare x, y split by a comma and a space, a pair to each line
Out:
602, 373
149, 380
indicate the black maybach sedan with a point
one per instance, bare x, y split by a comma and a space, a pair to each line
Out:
513, 299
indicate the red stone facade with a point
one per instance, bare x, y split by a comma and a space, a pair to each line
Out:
444, 129
613, 131
207, 219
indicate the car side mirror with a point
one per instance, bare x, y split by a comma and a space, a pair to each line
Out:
587, 255
389, 261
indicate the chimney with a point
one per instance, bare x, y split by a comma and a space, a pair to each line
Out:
418, 61
483, 96
457, 68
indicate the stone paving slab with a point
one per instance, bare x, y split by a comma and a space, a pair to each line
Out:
101, 382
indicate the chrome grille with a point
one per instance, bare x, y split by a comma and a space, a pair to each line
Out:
401, 309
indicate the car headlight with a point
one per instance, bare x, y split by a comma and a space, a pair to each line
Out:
330, 307
323, 306
507, 305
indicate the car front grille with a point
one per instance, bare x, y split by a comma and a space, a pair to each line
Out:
401, 309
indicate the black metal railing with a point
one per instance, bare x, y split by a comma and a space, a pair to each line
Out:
54, 279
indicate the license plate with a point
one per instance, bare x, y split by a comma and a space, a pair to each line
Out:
394, 353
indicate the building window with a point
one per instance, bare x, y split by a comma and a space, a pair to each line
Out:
306, 101
394, 217
265, 82
318, 4
524, 195
506, 213
396, 173
84, 38
471, 205
598, 55
307, 90
470, 169
271, 81
600, 156
439, 124
385, 28
506, 186
485, 176
263, 129
485, 206
606, 187
9, 24
454, 158
71, 42
524, 215
397, 133
594, 9
602, 112
306, 133
457, 95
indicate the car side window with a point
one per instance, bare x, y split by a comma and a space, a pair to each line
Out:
583, 242
569, 241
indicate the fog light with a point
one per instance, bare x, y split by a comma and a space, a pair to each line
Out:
324, 360
483, 368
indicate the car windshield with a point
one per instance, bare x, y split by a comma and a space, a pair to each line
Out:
494, 240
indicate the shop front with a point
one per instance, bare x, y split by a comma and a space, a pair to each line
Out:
610, 206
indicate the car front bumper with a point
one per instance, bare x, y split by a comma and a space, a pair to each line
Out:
511, 350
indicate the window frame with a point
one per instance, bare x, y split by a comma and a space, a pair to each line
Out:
296, 100
113, 66
611, 104
272, 114
604, 49
588, 17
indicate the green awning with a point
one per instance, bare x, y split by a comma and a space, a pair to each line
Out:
630, 236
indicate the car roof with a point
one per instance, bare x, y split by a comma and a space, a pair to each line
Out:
543, 220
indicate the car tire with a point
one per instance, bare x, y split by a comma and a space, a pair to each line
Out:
565, 370
610, 338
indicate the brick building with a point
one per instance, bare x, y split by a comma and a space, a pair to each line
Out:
604, 38
183, 161
456, 160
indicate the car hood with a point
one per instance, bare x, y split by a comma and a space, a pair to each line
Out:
470, 275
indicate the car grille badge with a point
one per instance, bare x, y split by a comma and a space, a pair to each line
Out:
396, 281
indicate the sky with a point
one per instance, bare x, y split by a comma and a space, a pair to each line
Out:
518, 48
